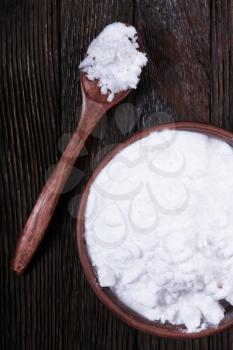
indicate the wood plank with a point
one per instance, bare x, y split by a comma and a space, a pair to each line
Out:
176, 85
222, 63
89, 325
29, 126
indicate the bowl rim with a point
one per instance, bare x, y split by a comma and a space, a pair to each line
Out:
116, 307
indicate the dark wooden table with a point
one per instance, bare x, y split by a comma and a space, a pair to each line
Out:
189, 77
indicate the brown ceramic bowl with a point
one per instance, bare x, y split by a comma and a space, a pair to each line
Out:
104, 294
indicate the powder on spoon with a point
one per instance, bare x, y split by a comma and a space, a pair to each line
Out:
159, 227
114, 60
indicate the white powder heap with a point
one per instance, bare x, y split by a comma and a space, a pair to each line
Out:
159, 227
113, 58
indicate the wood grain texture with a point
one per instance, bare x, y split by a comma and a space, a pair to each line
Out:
177, 80
189, 44
30, 125
222, 63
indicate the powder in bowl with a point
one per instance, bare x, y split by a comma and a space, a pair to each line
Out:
160, 235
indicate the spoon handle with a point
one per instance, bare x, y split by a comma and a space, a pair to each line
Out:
42, 212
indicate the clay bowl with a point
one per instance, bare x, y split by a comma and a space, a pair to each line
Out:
104, 294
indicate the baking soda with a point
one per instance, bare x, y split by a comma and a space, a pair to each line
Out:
159, 227
114, 59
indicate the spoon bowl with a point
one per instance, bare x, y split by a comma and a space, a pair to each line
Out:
92, 90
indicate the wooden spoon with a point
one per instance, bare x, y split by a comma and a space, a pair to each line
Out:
94, 107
